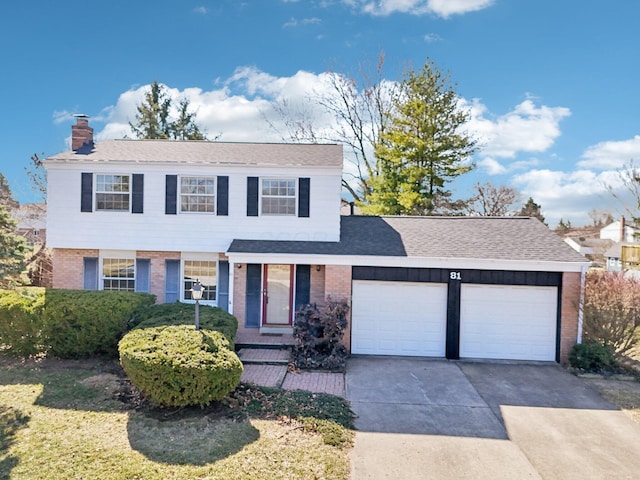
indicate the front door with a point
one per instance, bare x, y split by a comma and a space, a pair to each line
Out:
278, 280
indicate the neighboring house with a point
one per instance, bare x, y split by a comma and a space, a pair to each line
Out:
620, 231
260, 226
32, 222
592, 248
623, 256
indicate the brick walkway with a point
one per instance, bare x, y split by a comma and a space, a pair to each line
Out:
318, 382
277, 376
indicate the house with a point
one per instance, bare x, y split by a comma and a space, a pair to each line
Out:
259, 226
620, 231
592, 248
31, 222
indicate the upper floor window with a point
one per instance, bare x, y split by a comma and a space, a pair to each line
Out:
119, 274
197, 194
278, 196
112, 192
204, 271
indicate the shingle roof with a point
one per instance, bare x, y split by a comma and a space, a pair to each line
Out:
222, 153
499, 238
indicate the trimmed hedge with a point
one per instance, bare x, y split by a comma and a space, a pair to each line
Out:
66, 323
211, 318
177, 366
593, 356
21, 321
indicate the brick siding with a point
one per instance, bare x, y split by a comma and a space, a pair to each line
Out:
337, 287
239, 292
68, 267
569, 314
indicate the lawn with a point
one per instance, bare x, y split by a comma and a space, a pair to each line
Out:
71, 419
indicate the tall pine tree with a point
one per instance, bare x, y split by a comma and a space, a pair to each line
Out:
13, 247
153, 119
423, 147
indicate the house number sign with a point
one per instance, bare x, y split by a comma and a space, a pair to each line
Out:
455, 276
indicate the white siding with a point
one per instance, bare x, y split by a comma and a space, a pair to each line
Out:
154, 230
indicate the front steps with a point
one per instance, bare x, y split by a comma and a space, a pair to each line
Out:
264, 355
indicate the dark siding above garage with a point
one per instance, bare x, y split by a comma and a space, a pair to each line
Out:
441, 275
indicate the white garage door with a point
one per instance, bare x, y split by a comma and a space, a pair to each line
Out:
399, 318
508, 322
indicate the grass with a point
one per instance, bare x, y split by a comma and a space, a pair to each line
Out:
61, 420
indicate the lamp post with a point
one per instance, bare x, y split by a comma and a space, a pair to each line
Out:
196, 294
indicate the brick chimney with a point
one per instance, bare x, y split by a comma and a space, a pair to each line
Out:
81, 133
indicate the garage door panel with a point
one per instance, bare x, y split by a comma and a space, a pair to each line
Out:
508, 322
399, 318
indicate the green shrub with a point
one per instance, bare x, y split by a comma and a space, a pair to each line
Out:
176, 366
211, 318
593, 357
79, 323
21, 321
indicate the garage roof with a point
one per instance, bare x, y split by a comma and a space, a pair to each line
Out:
487, 238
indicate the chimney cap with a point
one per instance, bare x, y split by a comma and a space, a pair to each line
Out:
80, 115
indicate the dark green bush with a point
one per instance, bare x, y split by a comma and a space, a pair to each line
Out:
21, 321
211, 318
176, 366
593, 357
79, 323
318, 333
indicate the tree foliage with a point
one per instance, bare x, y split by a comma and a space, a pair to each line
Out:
532, 209
13, 251
154, 120
423, 147
6, 197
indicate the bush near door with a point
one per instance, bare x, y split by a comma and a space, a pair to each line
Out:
318, 333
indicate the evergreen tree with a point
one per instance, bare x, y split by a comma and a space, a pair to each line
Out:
6, 197
153, 118
13, 251
532, 209
423, 147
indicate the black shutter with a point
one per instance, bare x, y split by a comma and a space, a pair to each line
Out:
137, 194
303, 196
252, 196
303, 285
86, 201
223, 196
171, 195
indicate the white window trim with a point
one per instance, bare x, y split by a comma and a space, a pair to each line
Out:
116, 256
295, 197
215, 195
95, 192
202, 257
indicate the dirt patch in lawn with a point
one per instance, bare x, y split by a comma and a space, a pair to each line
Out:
624, 394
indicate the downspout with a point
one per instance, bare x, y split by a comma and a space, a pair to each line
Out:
583, 280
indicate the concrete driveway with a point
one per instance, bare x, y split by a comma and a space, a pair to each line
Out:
437, 419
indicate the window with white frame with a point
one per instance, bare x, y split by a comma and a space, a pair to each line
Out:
119, 274
112, 192
197, 194
278, 196
204, 271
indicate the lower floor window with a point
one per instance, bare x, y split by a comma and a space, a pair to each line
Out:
203, 271
118, 274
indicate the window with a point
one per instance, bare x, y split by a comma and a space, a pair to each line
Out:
278, 197
197, 194
204, 271
112, 192
118, 274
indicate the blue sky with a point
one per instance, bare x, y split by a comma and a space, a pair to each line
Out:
552, 85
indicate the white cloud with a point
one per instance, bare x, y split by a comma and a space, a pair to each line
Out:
612, 154
441, 8
200, 10
294, 22
527, 128
432, 37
